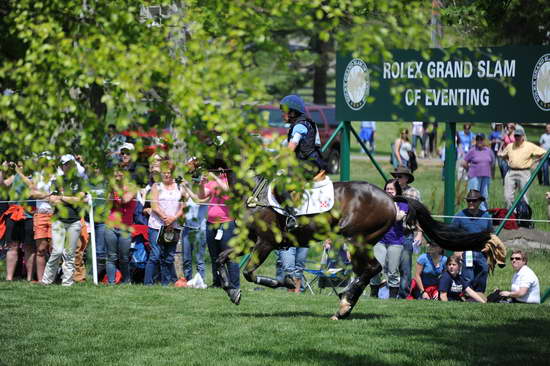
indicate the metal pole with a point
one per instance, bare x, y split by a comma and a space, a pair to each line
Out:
449, 170
369, 154
92, 236
522, 193
344, 152
332, 137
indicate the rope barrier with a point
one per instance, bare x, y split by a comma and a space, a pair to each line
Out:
224, 205
109, 199
489, 218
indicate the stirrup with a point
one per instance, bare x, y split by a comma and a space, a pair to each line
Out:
291, 222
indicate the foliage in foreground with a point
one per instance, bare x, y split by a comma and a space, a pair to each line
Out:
71, 62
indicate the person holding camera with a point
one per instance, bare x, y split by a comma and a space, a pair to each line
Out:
68, 198
164, 229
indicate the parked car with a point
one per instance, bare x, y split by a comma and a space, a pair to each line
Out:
323, 116
152, 137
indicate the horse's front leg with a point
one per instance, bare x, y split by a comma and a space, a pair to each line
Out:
365, 267
258, 256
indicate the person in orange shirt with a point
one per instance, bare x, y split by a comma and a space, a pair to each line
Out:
17, 223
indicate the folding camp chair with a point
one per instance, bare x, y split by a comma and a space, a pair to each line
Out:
326, 277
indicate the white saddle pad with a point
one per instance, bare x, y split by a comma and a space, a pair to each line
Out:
320, 198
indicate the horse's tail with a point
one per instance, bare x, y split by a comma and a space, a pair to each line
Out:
445, 235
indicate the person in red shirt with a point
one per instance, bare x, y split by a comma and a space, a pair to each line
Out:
117, 236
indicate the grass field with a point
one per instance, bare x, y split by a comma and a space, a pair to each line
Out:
136, 325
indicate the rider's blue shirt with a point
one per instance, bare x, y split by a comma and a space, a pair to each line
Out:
300, 131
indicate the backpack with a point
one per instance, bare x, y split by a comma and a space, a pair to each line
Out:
500, 213
139, 255
524, 212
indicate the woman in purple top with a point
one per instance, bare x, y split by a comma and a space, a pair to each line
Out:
479, 162
388, 250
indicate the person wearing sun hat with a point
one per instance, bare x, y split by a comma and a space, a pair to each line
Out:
405, 177
474, 220
412, 238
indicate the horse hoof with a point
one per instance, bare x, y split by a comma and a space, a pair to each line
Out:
235, 296
334, 317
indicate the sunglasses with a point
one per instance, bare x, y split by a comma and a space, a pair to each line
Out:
516, 258
125, 153
472, 200
400, 176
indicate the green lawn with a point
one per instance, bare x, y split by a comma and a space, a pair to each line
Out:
137, 325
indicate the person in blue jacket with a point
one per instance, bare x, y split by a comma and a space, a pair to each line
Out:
474, 220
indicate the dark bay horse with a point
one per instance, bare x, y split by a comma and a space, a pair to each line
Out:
362, 214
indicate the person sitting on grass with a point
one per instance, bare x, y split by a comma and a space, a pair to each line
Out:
525, 283
452, 285
429, 267
474, 220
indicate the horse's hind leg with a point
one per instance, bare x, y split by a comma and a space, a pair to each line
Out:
365, 267
258, 256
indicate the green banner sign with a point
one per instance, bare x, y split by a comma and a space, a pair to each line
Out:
499, 84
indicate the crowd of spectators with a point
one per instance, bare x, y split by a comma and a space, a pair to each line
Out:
45, 225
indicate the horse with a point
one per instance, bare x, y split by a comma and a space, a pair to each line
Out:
364, 213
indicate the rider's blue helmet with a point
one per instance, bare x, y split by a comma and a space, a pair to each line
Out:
294, 102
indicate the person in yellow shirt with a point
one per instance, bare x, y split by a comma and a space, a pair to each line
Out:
521, 155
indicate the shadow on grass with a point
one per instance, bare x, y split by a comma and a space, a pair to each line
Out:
315, 357
308, 314
521, 341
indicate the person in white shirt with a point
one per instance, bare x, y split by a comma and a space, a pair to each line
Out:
417, 133
525, 283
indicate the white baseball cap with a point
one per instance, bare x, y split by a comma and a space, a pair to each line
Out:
126, 146
66, 158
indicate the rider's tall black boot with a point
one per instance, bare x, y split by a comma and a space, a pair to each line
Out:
374, 291
291, 221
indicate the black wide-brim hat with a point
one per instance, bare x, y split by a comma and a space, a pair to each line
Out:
474, 194
402, 170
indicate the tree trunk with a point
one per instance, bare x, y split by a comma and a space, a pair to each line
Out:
320, 69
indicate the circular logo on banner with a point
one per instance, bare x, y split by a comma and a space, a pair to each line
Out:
540, 84
356, 84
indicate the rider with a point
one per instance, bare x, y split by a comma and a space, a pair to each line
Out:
303, 139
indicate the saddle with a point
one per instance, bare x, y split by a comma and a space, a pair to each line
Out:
318, 199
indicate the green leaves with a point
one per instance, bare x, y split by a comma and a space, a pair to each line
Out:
199, 67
